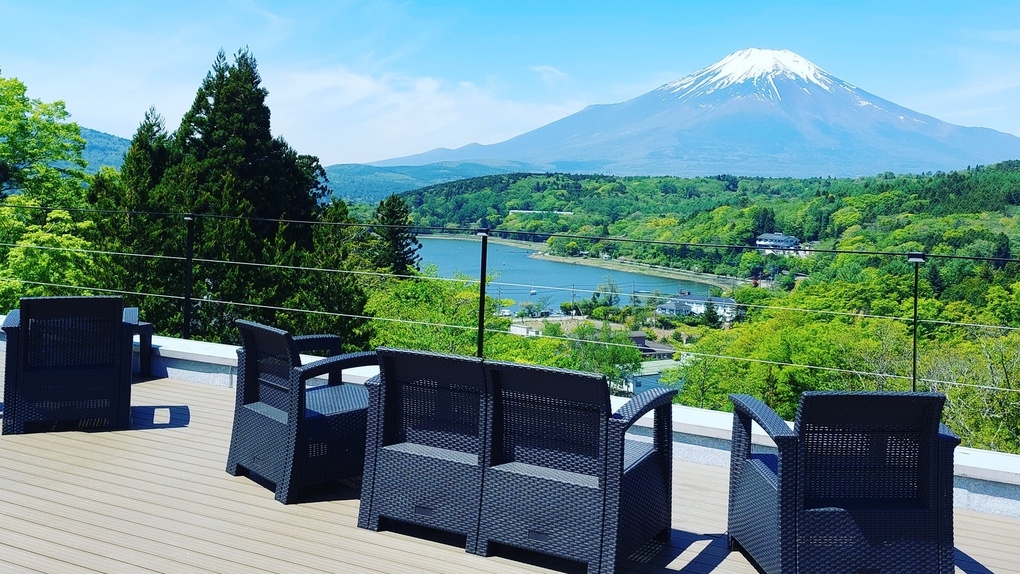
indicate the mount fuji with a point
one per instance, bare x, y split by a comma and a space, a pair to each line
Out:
755, 112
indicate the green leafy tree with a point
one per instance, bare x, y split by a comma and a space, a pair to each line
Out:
40, 151
336, 294
49, 257
426, 312
603, 350
41, 166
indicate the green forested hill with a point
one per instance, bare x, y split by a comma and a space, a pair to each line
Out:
102, 149
972, 213
733, 210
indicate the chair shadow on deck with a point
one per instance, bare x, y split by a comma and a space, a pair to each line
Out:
702, 554
968, 564
348, 488
160, 417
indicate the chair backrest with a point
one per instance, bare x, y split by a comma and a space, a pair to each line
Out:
868, 450
269, 355
71, 333
432, 399
548, 417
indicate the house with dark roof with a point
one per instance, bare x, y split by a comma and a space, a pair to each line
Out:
777, 243
651, 349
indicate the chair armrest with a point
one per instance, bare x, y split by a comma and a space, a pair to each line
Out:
337, 363
13, 319
130, 315
643, 403
767, 419
947, 435
330, 343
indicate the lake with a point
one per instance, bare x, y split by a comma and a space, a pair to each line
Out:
522, 278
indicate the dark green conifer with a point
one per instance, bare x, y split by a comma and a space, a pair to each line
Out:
396, 248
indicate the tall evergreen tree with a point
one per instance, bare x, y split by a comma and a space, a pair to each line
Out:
763, 220
710, 318
396, 249
224, 166
145, 161
1001, 250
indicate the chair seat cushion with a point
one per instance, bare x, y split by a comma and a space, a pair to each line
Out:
434, 452
328, 400
634, 451
551, 474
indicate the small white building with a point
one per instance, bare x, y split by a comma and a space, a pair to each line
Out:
688, 304
524, 330
777, 243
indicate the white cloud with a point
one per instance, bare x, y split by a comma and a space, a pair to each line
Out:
979, 86
550, 75
347, 117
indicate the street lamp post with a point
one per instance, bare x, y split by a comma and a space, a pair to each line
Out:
917, 258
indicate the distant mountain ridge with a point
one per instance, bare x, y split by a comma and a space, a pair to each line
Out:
103, 149
352, 182
370, 184
755, 112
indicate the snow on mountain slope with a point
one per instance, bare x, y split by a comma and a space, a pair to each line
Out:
759, 67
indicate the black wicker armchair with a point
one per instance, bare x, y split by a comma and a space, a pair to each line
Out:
68, 364
425, 452
562, 479
286, 431
862, 483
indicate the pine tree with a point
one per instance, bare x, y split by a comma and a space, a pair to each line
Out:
145, 161
397, 246
224, 166
710, 318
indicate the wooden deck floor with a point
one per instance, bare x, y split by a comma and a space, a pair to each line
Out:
156, 498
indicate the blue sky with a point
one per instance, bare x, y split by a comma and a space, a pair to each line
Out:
357, 81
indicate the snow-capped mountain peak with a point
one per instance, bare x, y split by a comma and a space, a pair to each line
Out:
755, 112
761, 68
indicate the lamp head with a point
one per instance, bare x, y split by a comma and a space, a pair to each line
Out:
916, 257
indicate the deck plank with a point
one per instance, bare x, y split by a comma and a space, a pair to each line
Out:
159, 500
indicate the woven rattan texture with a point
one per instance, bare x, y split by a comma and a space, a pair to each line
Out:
590, 504
863, 483
68, 365
426, 437
523, 456
289, 432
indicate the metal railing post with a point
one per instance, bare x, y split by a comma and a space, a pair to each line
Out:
917, 259
481, 293
189, 255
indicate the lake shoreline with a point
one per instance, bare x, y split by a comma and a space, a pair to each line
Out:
612, 264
